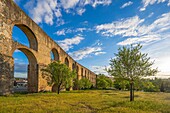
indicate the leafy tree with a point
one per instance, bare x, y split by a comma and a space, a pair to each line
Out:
110, 82
157, 82
116, 84
124, 84
148, 86
85, 83
103, 82
76, 84
138, 84
121, 84
58, 75
131, 65
164, 85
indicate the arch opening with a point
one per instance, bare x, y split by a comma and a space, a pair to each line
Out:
24, 35
25, 71
54, 55
77, 70
66, 61
85, 74
73, 66
82, 73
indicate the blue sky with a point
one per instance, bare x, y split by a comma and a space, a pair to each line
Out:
92, 30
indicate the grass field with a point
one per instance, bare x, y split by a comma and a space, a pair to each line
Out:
88, 101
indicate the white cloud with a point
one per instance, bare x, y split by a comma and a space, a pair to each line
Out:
19, 67
77, 6
69, 30
30, 4
47, 10
84, 53
126, 4
168, 3
20, 75
160, 53
69, 42
101, 2
99, 69
144, 39
134, 29
99, 53
124, 27
58, 13
156, 38
94, 49
80, 29
146, 3
61, 32
80, 11
43, 11
69, 3
150, 15
60, 22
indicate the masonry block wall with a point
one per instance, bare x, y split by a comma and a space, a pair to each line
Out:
38, 52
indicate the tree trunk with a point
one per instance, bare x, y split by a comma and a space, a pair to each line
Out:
58, 89
131, 91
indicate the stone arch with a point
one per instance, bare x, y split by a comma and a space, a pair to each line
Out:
54, 88
73, 66
55, 54
32, 70
67, 61
30, 35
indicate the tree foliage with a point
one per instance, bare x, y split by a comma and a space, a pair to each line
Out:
103, 82
131, 65
145, 84
121, 84
58, 76
85, 83
155, 85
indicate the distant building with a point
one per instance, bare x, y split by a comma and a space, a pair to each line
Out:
20, 82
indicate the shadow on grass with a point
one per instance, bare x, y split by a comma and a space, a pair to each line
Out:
129, 97
17, 94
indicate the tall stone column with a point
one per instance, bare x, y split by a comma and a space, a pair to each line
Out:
6, 61
42, 79
6, 74
32, 78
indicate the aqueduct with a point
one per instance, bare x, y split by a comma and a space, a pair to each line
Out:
38, 52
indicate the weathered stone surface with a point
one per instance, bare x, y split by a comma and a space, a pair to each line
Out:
6, 74
38, 53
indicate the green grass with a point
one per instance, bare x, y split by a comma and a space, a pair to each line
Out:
89, 101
